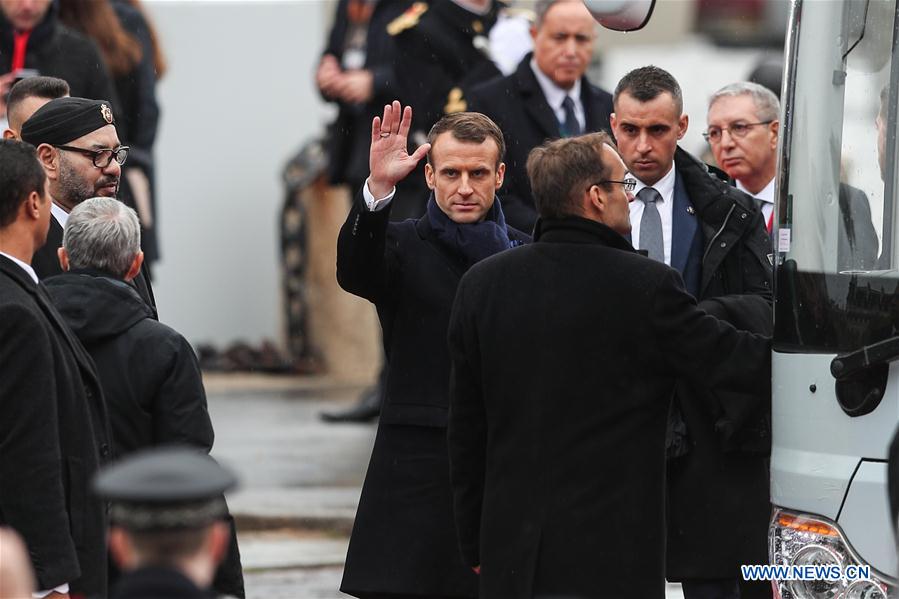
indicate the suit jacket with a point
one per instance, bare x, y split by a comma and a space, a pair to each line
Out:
411, 278
557, 422
54, 433
516, 103
46, 264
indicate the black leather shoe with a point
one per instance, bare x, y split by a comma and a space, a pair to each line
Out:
365, 410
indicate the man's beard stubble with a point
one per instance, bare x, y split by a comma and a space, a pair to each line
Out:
72, 189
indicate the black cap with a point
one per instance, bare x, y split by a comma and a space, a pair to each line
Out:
61, 120
165, 488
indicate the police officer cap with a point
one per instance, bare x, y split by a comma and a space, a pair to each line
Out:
165, 488
61, 120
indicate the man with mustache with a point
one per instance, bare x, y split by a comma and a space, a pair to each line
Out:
79, 148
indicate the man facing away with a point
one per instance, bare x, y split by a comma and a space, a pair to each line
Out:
565, 356
149, 372
54, 431
167, 531
547, 97
715, 237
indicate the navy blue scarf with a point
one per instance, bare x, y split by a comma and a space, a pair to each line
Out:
474, 241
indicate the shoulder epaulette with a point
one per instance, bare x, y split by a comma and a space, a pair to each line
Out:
408, 19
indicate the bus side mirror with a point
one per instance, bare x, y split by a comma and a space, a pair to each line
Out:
621, 15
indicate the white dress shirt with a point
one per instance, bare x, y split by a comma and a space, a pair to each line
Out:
376, 204
665, 187
766, 195
61, 216
555, 95
26, 267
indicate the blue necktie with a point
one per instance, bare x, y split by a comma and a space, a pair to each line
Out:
571, 126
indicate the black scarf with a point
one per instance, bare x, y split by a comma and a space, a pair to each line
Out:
474, 241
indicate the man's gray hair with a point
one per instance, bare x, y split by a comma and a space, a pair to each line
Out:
103, 234
541, 7
767, 106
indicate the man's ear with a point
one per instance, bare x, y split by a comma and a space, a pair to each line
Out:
775, 130
500, 174
120, 547
32, 205
219, 541
429, 175
49, 157
9, 134
596, 201
134, 269
682, 125
63, 256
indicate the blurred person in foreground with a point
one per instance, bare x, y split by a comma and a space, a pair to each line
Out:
126, 44
403, 541
79, 148
149, 371
26, 97
167, 532
547, 97
714, 236
16, 575
54, 429
34, 42
558, 470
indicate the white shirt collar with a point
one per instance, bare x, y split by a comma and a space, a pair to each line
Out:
59, 214
554, 94
26, 267
765, 195
665, 185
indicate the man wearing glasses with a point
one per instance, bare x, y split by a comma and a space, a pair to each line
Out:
742, 132
714, 235
79, 148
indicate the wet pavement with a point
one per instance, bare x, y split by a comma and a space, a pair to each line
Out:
300, 479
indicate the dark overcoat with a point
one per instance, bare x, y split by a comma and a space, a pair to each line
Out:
559, 403
156, 582
718, 471
403, 539
516, 103
149, 374
54, 434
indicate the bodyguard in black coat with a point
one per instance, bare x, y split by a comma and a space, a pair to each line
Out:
716, 239
528, 104
559, 399
403, 540
54, 430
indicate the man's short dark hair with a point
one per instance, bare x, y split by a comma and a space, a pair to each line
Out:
472, 127
561, 170
647, 83
48, 88
20, 174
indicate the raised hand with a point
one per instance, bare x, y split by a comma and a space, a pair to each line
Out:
389, 159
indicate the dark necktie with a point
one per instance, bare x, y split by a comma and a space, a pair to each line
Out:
571, 126
651, 225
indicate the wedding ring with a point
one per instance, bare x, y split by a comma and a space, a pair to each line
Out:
385, 134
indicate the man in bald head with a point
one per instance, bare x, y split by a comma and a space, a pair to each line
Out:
80, 151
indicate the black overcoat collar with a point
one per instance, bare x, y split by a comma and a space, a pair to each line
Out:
576, 229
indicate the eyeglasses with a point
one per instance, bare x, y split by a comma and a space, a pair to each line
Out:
629, 184
101, 158
738, 130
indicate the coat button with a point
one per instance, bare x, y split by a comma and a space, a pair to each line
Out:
724, 244
743, 216
104, 450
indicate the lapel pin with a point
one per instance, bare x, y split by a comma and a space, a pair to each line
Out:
690, 210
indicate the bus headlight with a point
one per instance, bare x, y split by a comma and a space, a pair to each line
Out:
803, 540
